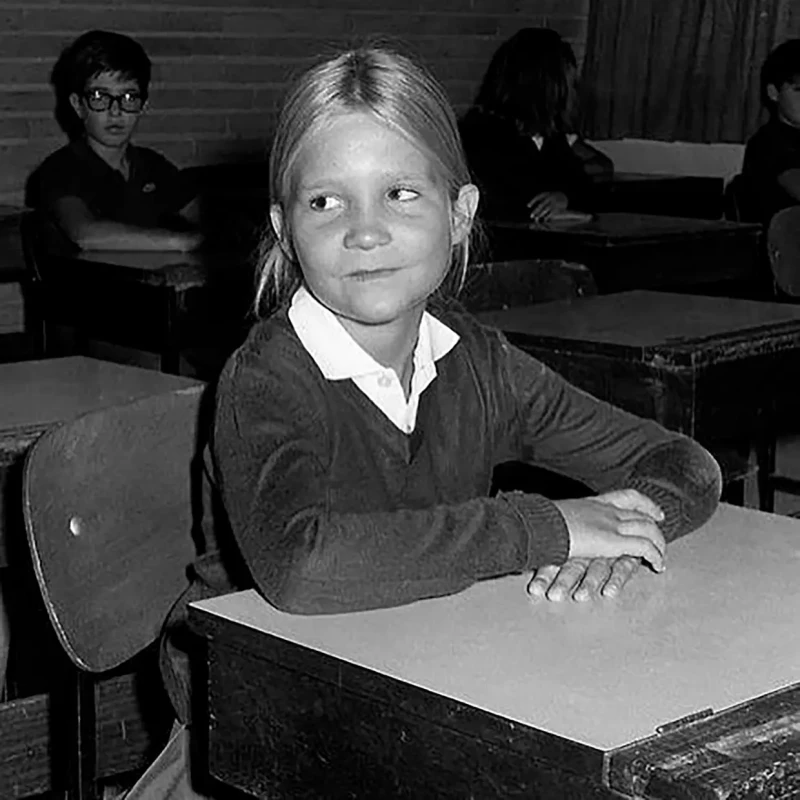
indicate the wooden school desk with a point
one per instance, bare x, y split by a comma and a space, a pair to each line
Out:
483, 694
641, 251
35, 395
713, 368
166, 303
698, 196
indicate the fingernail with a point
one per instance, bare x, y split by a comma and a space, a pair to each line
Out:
582, 596
610, 592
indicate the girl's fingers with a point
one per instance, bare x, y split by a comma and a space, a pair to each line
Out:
537, 588
621, 571
644, 541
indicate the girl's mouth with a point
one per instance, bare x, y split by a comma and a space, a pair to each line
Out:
373, 274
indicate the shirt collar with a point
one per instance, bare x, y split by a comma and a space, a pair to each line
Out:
337, 354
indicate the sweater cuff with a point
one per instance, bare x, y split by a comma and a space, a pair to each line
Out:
548, 537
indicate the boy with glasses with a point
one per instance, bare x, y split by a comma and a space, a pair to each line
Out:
100, 190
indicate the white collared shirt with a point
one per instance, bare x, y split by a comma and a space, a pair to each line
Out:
539, 140
339, 357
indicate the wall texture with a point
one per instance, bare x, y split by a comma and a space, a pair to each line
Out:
220, 68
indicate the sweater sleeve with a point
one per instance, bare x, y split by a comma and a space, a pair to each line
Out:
562, 428
312, 547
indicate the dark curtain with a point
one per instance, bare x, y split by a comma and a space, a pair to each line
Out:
680, 69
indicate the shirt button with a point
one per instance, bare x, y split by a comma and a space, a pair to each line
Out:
384, 381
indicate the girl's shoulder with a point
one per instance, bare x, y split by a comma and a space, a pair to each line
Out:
270, 358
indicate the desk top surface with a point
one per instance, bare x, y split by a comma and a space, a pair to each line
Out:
718, 628
641, 320
658, 177
37, 394
611, 228
159, 267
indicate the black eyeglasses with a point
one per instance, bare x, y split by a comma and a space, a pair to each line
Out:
100, 100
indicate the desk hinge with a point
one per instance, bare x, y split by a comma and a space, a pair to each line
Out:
670, 727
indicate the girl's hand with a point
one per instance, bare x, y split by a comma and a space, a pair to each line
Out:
582, 579
615, 524
546, 204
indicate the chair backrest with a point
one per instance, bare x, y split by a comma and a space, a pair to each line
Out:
107, 501
507, 284
783, 248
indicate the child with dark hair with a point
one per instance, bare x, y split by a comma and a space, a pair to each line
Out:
771, 166
519, 136
101, 191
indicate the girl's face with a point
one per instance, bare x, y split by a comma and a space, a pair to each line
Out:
370, 225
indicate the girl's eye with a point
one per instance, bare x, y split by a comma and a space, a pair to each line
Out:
324, 202
403, 195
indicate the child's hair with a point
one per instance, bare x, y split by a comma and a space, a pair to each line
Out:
528, 81
403, 96
780, 66
88, 56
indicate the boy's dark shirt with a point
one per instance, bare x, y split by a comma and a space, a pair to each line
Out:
772, 150
148, 198
315, 498
510, 170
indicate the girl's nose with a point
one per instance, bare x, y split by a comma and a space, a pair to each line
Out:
367, 229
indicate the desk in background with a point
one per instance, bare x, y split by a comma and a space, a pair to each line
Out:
167, 303
482, 694
698, 196
641, 251
35, 395
714, 368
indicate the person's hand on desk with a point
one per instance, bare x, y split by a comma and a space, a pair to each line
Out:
608, 534
547, 204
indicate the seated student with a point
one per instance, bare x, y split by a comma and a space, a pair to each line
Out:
771, 168
519, 140
101, 191
356, 431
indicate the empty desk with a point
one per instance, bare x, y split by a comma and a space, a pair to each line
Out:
698, 196
482, 694
642, 251
713, 368
37, 394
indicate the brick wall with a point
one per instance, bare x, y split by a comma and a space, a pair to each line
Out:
219, 68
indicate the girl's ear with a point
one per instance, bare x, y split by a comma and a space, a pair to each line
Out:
463, 212
280, 229
276, 218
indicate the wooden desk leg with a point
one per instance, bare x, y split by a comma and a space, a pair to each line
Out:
765, 447
170, 357
83, 758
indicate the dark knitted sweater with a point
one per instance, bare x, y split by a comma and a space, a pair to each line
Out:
334, 509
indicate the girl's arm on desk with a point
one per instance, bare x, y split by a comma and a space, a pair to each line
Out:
334, 509
91, 233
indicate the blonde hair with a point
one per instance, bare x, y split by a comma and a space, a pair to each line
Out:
402, 95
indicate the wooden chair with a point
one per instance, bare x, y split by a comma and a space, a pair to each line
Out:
507, 284
108, 512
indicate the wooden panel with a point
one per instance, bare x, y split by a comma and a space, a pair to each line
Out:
386, 740
749, 751
26, 750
